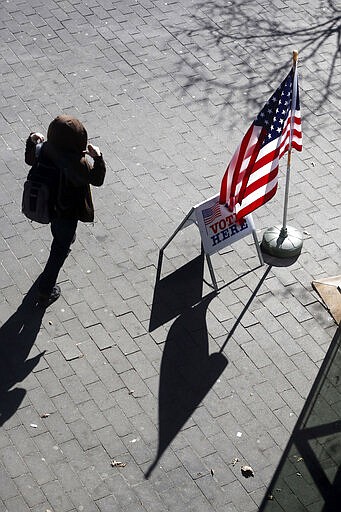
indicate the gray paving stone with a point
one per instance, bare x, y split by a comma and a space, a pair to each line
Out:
12, 461
94, 484
29, 490
68, 347
21, 440
50, 383
74, 387
111, 443
81, 498
8, 488
39, 469
83, 433
56, 496
16, 503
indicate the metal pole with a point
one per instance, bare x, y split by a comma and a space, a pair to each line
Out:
284, 230
285, 241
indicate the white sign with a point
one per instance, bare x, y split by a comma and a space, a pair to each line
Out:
217, 225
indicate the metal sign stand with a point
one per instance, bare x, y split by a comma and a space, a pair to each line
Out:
191, 219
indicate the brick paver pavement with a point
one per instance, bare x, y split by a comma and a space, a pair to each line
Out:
119, 369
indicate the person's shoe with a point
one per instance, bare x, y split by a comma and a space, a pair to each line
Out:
45, 299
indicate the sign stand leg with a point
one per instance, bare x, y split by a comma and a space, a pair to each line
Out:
210, 267
179, 228
191, 218
259, 252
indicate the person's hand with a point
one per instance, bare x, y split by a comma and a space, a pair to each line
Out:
37, 138
93, 151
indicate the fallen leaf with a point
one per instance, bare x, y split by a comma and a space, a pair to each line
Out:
234, 461
118, 464
247, 471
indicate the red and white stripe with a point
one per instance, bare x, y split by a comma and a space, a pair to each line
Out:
251, 177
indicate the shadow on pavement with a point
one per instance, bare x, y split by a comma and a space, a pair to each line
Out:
218, 25
17, 337
246, 307
176, 292
187, 373
308, 478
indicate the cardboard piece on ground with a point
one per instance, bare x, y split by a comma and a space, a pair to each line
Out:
329, 289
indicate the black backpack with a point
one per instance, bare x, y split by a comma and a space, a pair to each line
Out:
40, 189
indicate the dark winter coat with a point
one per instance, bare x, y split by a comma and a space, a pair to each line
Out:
66, 141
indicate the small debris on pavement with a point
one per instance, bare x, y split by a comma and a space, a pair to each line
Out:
33, 425
212, 472
234, 461
270, 497
118, 464
239, 434
131, 392
45, 415
247, 471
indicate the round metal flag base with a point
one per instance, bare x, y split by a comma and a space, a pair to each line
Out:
282, 242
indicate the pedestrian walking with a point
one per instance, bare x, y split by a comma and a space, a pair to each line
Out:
70, 174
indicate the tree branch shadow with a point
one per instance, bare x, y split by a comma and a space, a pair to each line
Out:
231, 30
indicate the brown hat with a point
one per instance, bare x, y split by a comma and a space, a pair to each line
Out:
67, 134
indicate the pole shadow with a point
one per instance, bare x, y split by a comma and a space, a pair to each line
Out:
308, 476
17, 336
187, 373
246, 307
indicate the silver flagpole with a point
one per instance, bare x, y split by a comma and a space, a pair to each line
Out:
292, 121
285, 241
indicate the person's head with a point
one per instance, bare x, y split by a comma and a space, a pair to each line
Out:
66, 133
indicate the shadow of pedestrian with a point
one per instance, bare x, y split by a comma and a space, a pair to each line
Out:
17, 337
187, 373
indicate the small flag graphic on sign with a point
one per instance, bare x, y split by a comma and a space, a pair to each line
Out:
251, 177
210, 214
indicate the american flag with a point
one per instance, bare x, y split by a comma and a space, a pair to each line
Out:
251, 177
209, 214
